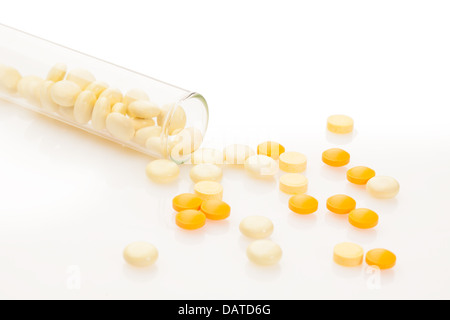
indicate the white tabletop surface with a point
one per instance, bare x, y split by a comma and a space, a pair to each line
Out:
71, 202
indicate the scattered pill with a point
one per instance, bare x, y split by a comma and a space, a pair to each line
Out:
237, 154
177, 121
187, 141
57, 72
142, 123
381, 258
271, 149
162, 171
114, 95
101, 111
256, 227
84, 106
143, 109
208, 190
45, 97
340, 124
303, 204
120, 126
81, 77
207, 155
215, 209
341, 204
134, 95
65, 93
382, 187
9, 78
348, 254
360, 175
363, 218
97, 88
119, 107
190, 219
293, 162
143, 134
206, 172
264, 252
140, 254
29, 88
293, 183
336, 157
261, 166
186, 201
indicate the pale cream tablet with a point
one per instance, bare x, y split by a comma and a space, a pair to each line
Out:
65, 93
134, 95
140, 254
101, 111
120, 126
97, 87
114, 95
9, 78
29, 87
176, 122
143, 134
264, 252
83, 78
162, 171
261, 166
206, 172
382, 187
294, 162
209, 190
348, 254
143, 109
142, 123
256, 227
340, 124
119, 107
84, 106
57, 72
47, 102
237, 154
293, 183
207, 155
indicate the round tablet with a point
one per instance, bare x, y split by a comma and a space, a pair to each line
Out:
360, 175
261, 166
264, 252
208, 190
383, 187
186, 201
363, 218
340, 124
271, 149
293, 162
190, 219
215, 209
256, 227
140, 254
336, 157
341, 204
293, 183
303, 204
162, 170
237, 154
206, 172
348, 254
382, 258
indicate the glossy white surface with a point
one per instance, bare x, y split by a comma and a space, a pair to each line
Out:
71, 202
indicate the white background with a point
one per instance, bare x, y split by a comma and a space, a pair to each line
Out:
71, 202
